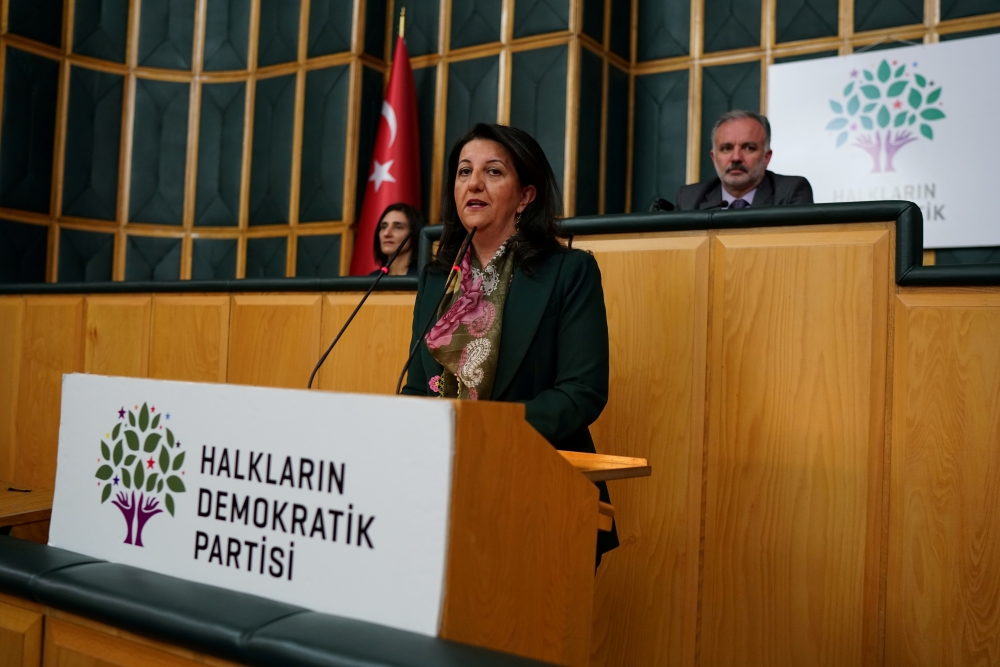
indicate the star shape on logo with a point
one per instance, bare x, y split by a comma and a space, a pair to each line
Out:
153, 409
898, 104
380, 173
149, 463
115, 480
167, 415
854, 73
121, 413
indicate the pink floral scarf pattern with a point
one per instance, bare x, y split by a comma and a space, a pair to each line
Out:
466, 338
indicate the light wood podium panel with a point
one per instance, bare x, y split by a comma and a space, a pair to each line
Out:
274, 340
20, 636
11, 329
190, 338
943, 590
116, 335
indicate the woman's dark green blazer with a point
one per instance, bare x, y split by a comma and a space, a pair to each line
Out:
553, 351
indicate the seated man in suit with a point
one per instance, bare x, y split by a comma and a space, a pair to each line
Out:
742, 150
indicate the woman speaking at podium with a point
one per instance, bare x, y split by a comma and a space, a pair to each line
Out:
525, 321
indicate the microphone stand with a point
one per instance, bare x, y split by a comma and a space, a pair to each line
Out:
430, 320
382, 272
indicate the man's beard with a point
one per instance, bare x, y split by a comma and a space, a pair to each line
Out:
743, 175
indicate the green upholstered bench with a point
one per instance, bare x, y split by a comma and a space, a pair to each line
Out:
234, 626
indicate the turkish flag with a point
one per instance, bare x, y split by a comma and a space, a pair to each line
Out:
395, 171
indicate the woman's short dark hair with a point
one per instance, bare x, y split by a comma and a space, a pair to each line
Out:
537, 233
416, 224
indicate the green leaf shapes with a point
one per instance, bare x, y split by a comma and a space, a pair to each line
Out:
105, 452
130, 459
156, 422
932, 114
848, 89
159, 486
866, 122
853, 105
883, 117
140, 475
104, 472
899, 72
178, 461
106, 493
933, 96
131, 418
913, 117
117, 429
170, 437
164, 459
837, 107
871, 92
133, 440
884, 72
915, 98
869, 107
841, 138
868, 76
926, 130
126, 478
143, 418
836, 124
921, 81
900, 119
175, 484
118, 452
151, 482
169, 501
896, 89
152, 440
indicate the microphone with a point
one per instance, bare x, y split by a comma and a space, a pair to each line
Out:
660, 205
430, 320
722, 204
382, 272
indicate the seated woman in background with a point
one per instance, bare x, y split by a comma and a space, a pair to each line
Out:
396, 222
526, 321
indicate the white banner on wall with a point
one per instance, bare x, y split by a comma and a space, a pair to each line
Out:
914, 123
335, 502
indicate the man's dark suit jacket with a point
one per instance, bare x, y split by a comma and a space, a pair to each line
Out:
553, 352
774, 190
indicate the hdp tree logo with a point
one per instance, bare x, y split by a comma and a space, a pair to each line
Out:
884, 109
125, 470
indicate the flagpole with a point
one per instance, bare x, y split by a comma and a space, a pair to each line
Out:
402, 21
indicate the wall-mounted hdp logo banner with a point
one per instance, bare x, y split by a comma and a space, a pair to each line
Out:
336, 502
909, 123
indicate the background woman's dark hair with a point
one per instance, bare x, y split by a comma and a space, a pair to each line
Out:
416, 224
538, 232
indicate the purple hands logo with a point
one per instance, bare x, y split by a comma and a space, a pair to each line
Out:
125, 472
881, 108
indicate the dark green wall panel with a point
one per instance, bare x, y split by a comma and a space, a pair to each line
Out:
805, 19
85, 257
152, 258
472, 97
664, 29
23, 249
100, 28
266, 257
621, 28
220, 149
593, 19
421, 27
271, 162
588, 144
806, 56
876, 14
324, 139
953, 9
659, 158
166, 33
371, 114
159, 152
278, 37
375, 29
40, 20
227, 34
724, 88
29, 122
538, 100
951, 256
425, 80
536, 17
329, 27
93, 136
214, 259
616, 144
474, 22
318, 256
731, 24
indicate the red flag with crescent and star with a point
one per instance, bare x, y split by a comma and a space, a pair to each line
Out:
395, 170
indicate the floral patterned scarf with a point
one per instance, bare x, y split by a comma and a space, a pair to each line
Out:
466, 338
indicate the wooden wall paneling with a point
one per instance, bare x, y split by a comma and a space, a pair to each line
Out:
11, 323
372, 352
943, 575
189, 338
20, 637
117, 335
656, 292
274, 339
52, 344
793, 516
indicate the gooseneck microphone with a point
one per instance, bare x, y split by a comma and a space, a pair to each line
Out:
382, 272
430, 320
722, 204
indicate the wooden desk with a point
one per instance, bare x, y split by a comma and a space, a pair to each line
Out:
19, 507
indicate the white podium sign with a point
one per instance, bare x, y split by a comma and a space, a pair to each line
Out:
335, 502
